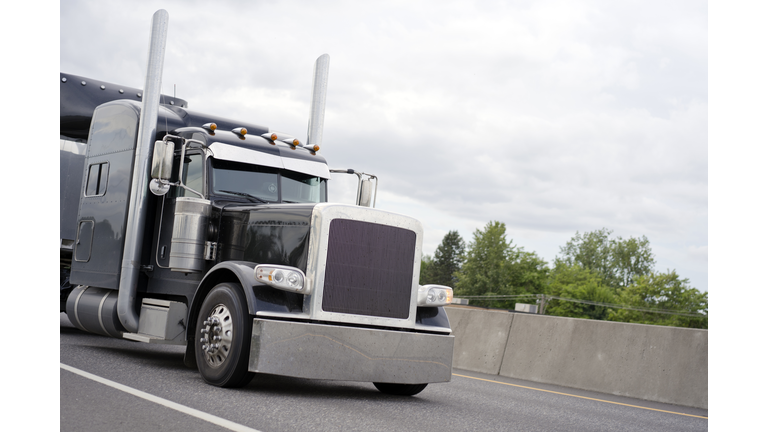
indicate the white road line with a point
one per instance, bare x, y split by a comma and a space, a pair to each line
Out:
173, 405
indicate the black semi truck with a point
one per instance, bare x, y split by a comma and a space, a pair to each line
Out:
179, 227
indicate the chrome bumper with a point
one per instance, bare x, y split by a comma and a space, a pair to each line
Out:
331, 352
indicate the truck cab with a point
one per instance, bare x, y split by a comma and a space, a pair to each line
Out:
179, 227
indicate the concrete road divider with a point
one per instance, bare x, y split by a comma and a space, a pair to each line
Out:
480, 337
657, 363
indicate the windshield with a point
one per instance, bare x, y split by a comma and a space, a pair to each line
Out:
259, 184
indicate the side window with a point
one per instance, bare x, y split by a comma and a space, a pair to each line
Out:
193, 175
97, 179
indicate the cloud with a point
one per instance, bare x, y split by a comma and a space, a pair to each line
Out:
551, 116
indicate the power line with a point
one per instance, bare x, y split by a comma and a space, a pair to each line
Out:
639, 309
609, 305
500, 296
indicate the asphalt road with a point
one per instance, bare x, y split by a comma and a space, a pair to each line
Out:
119, 385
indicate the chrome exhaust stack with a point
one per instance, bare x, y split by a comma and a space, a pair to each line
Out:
317, 108
137, 206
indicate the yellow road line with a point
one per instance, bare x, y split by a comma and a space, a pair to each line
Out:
582, 397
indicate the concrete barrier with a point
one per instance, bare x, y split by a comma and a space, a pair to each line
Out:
479, 338
657, 363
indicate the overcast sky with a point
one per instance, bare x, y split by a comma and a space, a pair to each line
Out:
550, 116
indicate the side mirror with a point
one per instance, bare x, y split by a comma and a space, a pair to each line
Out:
162, 160
366, 192
162, 166
365, 188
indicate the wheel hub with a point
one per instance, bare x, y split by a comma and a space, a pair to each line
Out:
216, 337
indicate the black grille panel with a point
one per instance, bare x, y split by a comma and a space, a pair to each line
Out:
369, 269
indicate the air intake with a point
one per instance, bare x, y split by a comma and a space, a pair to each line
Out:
369, 269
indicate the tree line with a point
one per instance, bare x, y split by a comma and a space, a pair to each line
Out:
595, 276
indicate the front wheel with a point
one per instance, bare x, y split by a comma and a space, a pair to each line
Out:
400, 389
223, 337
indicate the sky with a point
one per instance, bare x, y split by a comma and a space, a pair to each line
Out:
554, 117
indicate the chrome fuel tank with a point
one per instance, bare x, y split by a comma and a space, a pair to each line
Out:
190, 227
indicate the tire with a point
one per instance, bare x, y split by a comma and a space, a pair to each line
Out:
400, 389
223, 337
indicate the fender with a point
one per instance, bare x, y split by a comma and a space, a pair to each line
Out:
259, 297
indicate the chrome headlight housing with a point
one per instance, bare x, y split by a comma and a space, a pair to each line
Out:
434, 295
285, 278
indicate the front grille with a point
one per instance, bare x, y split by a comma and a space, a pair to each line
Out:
369, 269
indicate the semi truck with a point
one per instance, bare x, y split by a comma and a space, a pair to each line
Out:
179, 227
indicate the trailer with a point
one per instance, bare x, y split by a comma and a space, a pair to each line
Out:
179, 227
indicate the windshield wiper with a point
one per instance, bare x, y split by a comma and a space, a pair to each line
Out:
253, 198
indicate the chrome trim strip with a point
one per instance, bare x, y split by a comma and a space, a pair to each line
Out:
304, 166
433, 329
77, 301
239, 154
101, 305
268, 314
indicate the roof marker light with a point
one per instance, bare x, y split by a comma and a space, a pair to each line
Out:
312, 147
240, 131
270, 136
208, 126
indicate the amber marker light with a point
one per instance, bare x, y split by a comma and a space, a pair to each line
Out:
293, 142
240, 131
271, 137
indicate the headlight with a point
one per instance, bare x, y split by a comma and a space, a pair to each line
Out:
281, 277
434, 295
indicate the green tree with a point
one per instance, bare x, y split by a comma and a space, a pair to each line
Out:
630, 259
529, 273
448, 259
665, 292
427, 272
619, 262
486, 266
578, 283
619, 275
494, 266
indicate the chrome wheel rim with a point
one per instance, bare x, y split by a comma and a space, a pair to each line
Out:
216, 335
